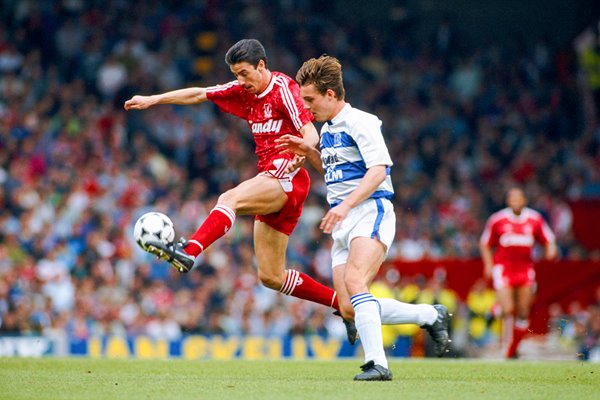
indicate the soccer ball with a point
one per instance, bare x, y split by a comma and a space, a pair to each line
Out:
153, 227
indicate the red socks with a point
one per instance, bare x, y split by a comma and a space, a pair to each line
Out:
296, 284
520, 329
300, 285
218, 222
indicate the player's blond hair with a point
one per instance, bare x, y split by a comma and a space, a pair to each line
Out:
324, 73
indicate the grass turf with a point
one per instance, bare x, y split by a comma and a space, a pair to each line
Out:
87, 378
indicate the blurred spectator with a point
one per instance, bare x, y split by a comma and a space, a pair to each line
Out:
590, 337
480, 302
111, 77
587, 45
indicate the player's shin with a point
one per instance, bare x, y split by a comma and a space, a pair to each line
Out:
368, 323
519, 331
218, 222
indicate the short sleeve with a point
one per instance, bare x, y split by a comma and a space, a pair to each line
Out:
371, 144
230, 98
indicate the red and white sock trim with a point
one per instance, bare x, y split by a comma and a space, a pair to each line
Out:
197, 243
291, 281
229, 213
522, 324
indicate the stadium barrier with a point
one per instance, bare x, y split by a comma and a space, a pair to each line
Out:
29, 346
562, 282
193, 347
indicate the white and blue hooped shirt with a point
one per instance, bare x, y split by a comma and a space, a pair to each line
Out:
351, 143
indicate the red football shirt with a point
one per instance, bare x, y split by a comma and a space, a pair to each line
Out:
514, 236
277, 111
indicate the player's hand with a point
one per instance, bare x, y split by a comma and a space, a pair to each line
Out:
551, 253
488, 271
291, 144
295, 163
139, 103
333, 217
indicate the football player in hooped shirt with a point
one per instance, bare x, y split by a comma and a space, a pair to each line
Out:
355, 162
270, 103
513, 232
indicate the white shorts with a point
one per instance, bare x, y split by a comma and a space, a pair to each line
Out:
373, 218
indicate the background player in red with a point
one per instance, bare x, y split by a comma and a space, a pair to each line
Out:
270, 102
513, 231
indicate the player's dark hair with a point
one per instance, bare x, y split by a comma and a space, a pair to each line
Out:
324, 73
246, 50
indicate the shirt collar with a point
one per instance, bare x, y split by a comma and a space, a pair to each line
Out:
269, 87
341, 115
517, 218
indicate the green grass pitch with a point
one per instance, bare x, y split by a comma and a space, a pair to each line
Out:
89, 378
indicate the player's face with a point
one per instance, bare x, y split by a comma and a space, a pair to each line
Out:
320, 106
516, 200
251, 78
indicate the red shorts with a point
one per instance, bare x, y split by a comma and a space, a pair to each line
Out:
285, 220
513, 276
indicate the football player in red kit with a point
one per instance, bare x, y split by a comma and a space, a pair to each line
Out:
513, 232
270, 103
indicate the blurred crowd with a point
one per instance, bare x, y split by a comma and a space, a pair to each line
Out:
76, 170
577, 327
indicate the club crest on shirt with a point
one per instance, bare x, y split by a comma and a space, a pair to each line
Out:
267, 110
337, 140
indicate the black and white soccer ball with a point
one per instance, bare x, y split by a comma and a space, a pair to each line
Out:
153, 227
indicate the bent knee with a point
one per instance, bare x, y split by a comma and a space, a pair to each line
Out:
271, 281
507, 311
229, 199
355, 284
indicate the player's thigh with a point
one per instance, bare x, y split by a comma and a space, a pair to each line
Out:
505, 297
270, 247
364, 260
339, 285
260, 195
524, 300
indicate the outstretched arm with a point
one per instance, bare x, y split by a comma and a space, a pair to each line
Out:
193, 95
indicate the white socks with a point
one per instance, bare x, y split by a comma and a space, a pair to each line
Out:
370, 313
368, 323
394, 312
